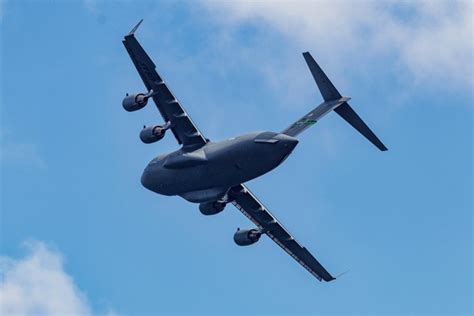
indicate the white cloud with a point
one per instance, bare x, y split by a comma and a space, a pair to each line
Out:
431, 39
38, 285
91, 6
21, 154
15, 153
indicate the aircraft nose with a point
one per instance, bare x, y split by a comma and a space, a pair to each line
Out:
146, 178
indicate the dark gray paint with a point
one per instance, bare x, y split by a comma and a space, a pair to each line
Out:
218, 166
213, 173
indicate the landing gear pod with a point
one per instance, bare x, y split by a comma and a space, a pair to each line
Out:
211, 208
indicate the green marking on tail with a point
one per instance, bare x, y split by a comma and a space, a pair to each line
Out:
305, 122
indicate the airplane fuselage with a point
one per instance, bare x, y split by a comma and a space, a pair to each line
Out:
206, 174
214, 173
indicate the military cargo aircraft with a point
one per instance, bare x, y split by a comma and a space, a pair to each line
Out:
213, 174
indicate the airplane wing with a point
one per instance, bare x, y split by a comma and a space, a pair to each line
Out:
183, 128
250, 206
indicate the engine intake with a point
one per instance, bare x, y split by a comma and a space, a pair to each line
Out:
211, 208
246, 237
151, 134
134, 102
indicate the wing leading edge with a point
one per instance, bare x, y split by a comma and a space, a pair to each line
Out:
184, 129
247, 203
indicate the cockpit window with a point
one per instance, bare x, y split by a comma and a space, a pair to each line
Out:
153, 162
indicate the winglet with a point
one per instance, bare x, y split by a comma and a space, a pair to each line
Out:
341, 274
135, 28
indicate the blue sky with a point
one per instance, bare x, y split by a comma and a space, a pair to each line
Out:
73, 209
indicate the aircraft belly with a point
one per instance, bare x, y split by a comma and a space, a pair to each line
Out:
207, 195
216, 167
178, 181
219, 175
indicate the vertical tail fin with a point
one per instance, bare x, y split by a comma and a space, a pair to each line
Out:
330, 93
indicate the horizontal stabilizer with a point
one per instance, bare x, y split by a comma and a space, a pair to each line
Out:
328, 91
351, 117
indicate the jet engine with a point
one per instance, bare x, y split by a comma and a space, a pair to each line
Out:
134, 102
246, 237
211, 208
151, 134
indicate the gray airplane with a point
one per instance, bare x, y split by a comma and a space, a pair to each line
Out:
213, 173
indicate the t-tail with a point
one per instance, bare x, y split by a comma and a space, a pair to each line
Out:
332, 101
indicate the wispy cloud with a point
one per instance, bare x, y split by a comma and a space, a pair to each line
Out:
91, 6
38, 285
19, 153
431, 39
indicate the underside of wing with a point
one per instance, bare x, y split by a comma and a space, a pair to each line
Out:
251, 207
184, 129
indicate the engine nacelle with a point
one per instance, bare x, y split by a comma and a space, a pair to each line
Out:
246, 237
211, 208
151, 134
134, 102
